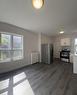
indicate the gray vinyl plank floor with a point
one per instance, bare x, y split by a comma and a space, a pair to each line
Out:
40, 79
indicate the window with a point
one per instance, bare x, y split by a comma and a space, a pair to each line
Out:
76, 46
11, 47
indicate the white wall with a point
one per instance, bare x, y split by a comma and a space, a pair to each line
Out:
30, 44
57, 46
46, 39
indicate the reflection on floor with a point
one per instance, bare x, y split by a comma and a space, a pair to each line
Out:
18, 84
4, 84
19, 77
40, 79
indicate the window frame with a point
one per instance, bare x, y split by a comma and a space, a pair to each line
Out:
11, 50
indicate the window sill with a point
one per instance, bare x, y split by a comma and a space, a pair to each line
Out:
12, 60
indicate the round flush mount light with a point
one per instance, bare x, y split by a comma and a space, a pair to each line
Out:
61, 32
37, 3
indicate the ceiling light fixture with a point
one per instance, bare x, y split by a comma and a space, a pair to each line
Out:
61, 32
38, 3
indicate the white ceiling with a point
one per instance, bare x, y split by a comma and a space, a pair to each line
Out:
49, 19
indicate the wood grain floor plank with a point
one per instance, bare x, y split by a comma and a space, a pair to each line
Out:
44, 79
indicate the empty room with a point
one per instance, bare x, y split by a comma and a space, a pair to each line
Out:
38, 47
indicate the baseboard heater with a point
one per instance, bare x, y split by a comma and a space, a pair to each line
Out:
34, 57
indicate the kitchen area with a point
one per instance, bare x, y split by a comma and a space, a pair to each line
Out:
65, 49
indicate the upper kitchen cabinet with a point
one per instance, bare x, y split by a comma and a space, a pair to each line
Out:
65, 42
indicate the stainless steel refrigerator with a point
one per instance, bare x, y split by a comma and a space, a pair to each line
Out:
47, 53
